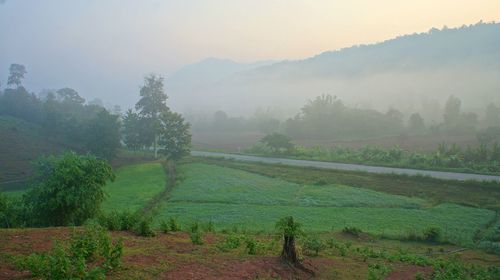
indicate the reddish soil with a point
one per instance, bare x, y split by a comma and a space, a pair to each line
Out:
409, 272
166, 256
230, 268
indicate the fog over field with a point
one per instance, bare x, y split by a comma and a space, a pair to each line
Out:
250, 139
407, 73
104, 49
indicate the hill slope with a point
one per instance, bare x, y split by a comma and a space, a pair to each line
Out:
414, 73
21, 143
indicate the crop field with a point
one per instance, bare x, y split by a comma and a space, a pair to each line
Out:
230, 197
134, 186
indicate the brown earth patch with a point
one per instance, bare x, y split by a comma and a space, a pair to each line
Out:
408, 272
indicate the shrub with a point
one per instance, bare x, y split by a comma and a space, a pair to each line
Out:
143, 227
251, 245
314, 245
70, 191
174, 226
195, 227
128, 220
209, 227
432, 234
12, 213
232, 241
377, 271
196, 237
89, 255
118, 220
164, 226
352, 231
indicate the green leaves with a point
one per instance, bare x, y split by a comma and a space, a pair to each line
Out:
70, 190
175, 137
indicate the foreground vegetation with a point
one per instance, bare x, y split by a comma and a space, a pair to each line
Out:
222, 212
243, 255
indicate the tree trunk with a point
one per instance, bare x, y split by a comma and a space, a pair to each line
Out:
154, 147
288, 253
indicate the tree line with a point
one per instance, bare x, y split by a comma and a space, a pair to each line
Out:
88, 127
328, 118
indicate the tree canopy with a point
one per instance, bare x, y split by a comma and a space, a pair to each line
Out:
278, 143
69, 191
175, 137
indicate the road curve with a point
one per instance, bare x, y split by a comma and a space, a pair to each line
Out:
352, 167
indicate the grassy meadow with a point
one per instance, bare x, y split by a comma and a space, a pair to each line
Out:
134, 187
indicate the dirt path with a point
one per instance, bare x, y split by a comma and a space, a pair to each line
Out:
352, 167
155, 202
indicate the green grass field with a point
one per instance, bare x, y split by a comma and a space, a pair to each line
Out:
230, 197
134, 186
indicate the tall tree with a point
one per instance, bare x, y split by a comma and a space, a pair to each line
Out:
132, 130
416, 123
492, 115
103, 135
152, 103
70, 96
175, 137
16, 74
452, 110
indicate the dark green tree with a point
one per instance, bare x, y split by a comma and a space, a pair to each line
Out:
452, 110
16, 75
278, 142
70, 189
174, 137
151, 104
132, 130
416, 123
69, 96
492, 115
103, 135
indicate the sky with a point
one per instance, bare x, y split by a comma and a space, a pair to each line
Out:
104, 47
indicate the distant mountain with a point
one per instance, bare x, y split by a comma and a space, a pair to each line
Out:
414, 72
208, 71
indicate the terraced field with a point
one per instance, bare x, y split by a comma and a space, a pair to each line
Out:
230, 197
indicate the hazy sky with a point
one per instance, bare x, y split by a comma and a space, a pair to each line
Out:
97, 46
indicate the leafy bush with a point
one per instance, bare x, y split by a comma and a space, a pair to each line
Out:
209, 227
352, 231
174, 226
194, 227
12, 212
232, 241
313, 245
164, 226
70, 191
432, 234
377, 271
118, 220
251, 245
143, 227
89, 255
196, 237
